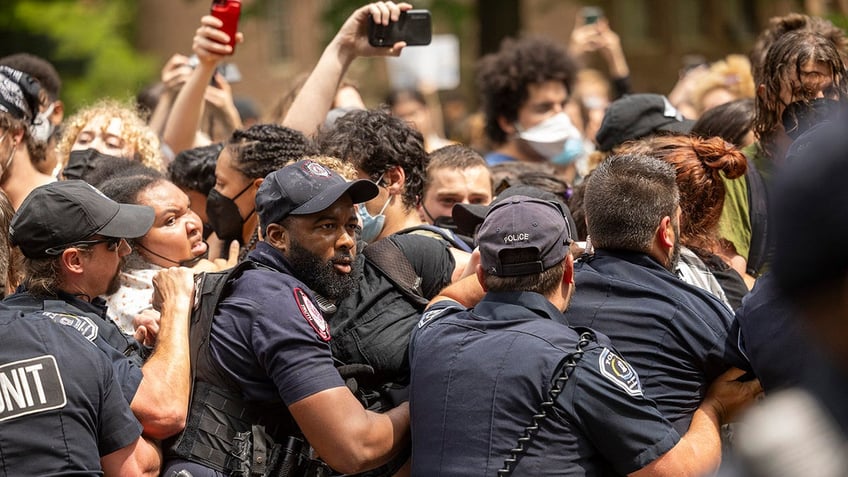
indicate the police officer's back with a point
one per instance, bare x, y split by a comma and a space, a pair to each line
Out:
502, 388
61, 409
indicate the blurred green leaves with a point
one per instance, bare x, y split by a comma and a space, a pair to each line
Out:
89, 41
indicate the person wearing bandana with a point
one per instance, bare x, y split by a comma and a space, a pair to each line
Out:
52, 111
525, 87
20, 101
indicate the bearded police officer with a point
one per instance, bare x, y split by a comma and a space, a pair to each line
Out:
265, 375
503, 388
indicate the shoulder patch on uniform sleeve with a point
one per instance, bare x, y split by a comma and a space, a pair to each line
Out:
619, 371
83, 324
30, 386
312, 314
429, 316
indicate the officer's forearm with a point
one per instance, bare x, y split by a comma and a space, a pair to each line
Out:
697, 453
142, 458
349, 438
161, 402
467, 292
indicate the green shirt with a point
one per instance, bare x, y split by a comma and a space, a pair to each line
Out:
735, 222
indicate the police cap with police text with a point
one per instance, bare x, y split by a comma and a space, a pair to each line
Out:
522, 236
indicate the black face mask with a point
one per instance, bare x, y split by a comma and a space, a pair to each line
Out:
82, 162
445, 222
800, 116
224, 216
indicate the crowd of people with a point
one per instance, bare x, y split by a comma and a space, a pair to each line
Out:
610, 283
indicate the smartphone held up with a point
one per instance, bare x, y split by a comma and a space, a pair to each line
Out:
228, 11
413, 27
591, 15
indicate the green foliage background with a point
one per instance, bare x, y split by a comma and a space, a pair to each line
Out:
90, 42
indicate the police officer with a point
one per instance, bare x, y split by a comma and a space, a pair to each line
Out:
677, 336
72, 239
61, 409
266, 376
504, 388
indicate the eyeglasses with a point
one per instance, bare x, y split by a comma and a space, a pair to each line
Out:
112, 244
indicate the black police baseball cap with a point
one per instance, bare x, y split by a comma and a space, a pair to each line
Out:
57, 215
306, 187
536, 227
634, 116
468, 217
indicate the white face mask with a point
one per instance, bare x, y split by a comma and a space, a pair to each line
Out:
42, 128
548, 137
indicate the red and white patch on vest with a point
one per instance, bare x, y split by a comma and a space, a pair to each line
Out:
312, 314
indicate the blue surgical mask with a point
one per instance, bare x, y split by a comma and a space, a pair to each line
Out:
372, 225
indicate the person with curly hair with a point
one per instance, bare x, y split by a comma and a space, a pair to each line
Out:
112, 128
388, 151
525, 87
727, 80
700, 164
248, 156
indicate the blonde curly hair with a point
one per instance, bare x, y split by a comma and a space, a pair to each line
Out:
732, 74
135, 132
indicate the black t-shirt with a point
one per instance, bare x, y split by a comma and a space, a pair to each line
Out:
372, 325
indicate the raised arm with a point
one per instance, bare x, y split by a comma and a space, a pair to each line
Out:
315, 99
174, 75
211, 46
161, 402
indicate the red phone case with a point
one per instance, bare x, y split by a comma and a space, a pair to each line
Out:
228, 11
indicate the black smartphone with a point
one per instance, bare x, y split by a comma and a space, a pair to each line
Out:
414, 27
591, 15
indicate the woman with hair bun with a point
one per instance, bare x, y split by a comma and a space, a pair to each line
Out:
700, 163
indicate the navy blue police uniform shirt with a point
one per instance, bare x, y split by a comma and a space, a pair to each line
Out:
677, 336
479, 375
61, 408
270, 337
82, 316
